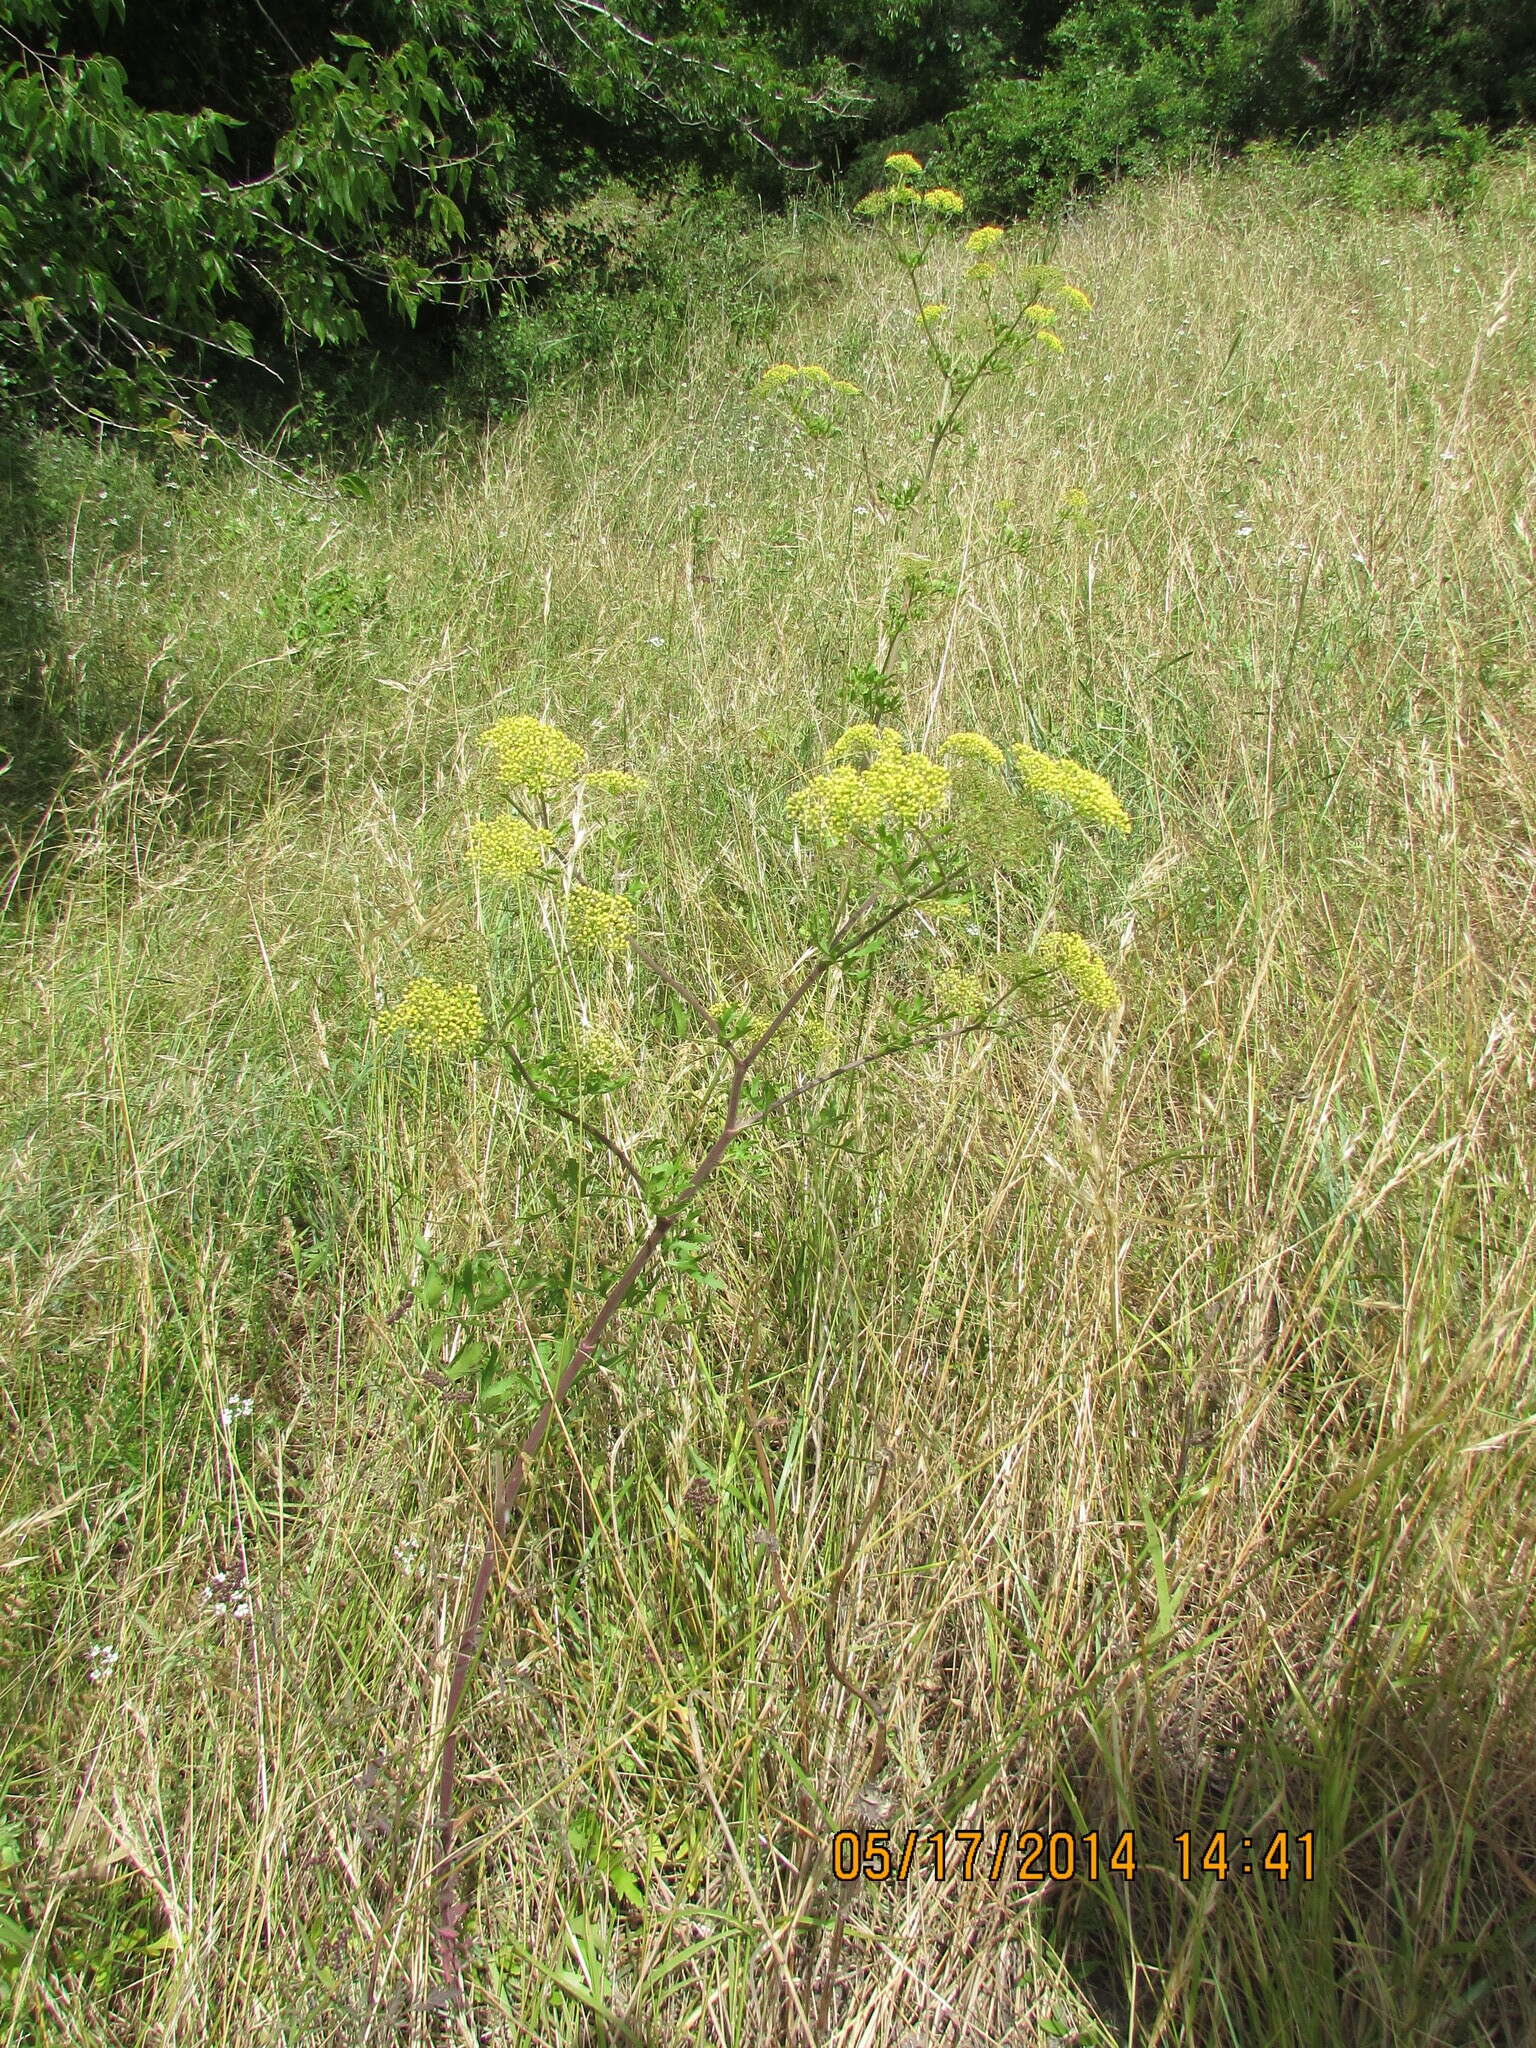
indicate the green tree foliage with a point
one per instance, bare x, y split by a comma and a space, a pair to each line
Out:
1129, 84
143, 231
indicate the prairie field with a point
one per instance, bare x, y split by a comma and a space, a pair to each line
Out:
1122, 1427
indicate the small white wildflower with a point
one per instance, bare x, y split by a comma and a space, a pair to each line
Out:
656, 640
408, 1555
103, 1662
236, 1410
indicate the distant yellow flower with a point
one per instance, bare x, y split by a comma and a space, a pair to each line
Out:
1088, 795
904, 165
1069, 955
599, 1048
614, 782
506, 849
812, 1040
533, 756
973, 746
942, 200
1051, 341
783, 374
931, 314
1074, 297
981, 241
1041, 314
958, 994
981, 273
882, 742
437, 1018
594, 919
888, 199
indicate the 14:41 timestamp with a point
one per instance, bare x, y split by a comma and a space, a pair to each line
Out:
1284, 1856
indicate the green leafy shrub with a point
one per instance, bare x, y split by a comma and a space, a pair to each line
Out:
1130, 85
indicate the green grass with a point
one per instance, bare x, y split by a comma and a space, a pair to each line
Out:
1190, 1353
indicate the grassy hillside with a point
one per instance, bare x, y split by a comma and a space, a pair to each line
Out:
1123, 1429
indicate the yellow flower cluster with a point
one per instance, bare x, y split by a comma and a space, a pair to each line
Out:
533, 756
812, 1039
982, 273
973, 746
1070, 955
614, 782
506, 849
889, 198
778, 375
904, 165
1074, 297
435, 1017
1088, 795
599, 1048
1041, 314
594, 918
895, 788
958, 994
931, 314
878, 742
941, 199
982, 241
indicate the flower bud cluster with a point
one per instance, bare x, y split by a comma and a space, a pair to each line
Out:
506, 849
1070, 955
436, 1017
1087, 795
533, 756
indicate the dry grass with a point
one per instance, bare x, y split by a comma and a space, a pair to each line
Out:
1139, 1424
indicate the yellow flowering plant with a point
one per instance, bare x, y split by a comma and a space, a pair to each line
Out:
889, 839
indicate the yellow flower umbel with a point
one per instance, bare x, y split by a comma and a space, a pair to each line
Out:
533, 756
615, 782
1088, 796
894, 788
598, 921
904, 165
957, 994
783, 376
506, 849
1070, 955
931, 314
437, 1018
603, 1050
941, 199
973, 746
982, 241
